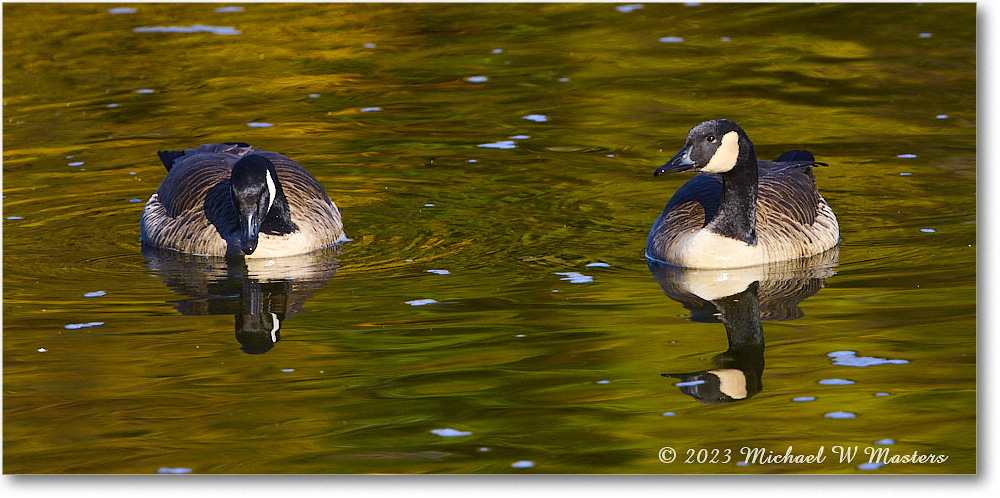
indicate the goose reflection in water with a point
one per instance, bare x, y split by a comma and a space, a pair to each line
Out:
260, 294
740, 299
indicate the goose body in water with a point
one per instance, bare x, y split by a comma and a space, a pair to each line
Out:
739, 211
236, 201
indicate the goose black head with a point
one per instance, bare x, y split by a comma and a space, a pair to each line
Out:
715, 146
254, 189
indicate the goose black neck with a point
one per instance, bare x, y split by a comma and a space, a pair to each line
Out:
736, 216
279, 218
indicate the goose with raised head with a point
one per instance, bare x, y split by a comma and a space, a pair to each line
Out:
740, 211
236, 201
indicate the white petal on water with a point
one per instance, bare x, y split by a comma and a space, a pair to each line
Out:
74, 326
628, 8
503, 144
450, 433
421, 302
575, 278
836, 382
850, 359
839, 415
195, 28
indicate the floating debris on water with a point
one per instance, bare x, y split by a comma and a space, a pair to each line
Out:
836, 382
484, 449
43, 350
576, 278
371, 109
850, 359
598, 265
145, 90
523, 464
94, 294
226, 10
287, 370
881, 395
942, 116
503, 144
671, 39
256, 124
196, 28
421, 302
122, 10
450, 433
519, 335
669, 414
839, 415
905, 174
538, 118
77, 163
477, 79
629, 8
906, 156
428, 205
804, 398
74, 326
439, 272
928, 230
168, 470
604, 382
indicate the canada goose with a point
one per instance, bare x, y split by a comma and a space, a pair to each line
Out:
740, 211
236, 201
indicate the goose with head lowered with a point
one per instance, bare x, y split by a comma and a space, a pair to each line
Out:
740, 211
236, 201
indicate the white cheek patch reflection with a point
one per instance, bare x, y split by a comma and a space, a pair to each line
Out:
725, 156
270, 190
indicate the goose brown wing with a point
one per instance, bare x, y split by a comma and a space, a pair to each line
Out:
786, 190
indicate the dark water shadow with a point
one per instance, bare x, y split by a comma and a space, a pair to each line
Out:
740, 299
260, 294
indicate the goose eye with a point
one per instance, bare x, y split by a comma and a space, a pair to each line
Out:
710, 139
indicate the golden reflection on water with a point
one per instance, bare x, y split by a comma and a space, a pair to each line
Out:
375, 100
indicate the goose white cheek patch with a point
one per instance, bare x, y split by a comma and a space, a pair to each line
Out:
270, 190
725, 156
